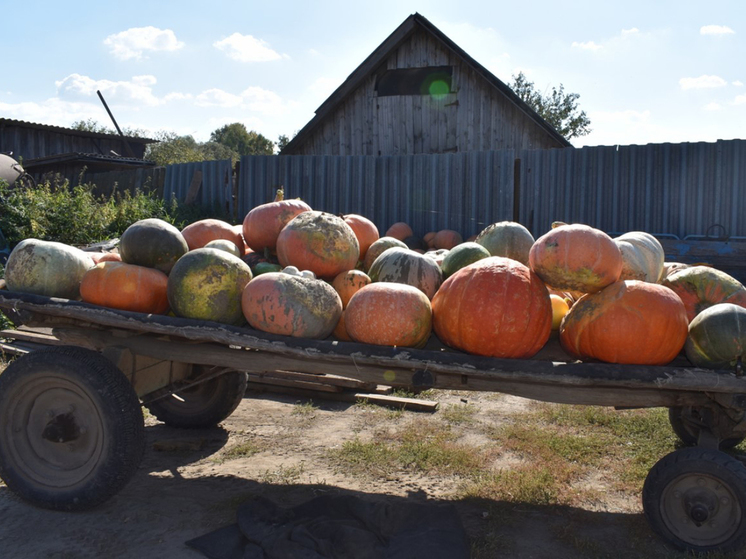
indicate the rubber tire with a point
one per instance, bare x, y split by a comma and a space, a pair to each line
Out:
204, 405
80, 389
714, 474
690, 437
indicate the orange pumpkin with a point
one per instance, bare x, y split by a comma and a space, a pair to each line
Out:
447, 239
348, 283
201, 232
320, 242
631, 322
262, 225
291, 305
111, 257
495, 307
429, 239
390, 314
340, 330
700, 287
365, 231
399, 230
576, 258
126, 287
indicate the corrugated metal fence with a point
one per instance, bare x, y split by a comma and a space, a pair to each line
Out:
688, 189
682, 190
463, 191
208, 183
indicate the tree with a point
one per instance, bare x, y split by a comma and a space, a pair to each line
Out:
92, 125
172, 148
558, 108
242, 141
282, 141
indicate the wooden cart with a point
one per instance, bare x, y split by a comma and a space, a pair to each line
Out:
72, 434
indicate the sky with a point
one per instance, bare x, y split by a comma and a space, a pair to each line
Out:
646, 71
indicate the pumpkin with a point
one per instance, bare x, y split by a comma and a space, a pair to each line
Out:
507, 238
206, 284
401, 265
390, 314
320, 242
700, 287
717, 336
262, 225
110, 257
642, 256
447, 238
630, 322
201, 232
224, 244
127, 287
670, 268
399, 230
495, 307
365, 231
560, 307
438, 255
152, 243
340, 330
291, 305
348, 283
46, 268
378, 247
460, 256
429, 239
576, 258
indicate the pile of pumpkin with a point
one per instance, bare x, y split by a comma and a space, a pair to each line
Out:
290, 270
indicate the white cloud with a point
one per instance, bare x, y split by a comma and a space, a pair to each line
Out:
217, 98
740, 100
632, 31
702, 82
713, 107
138, 90
588, 45
134, 42
738, 83
245, 48
262, 101
715, 30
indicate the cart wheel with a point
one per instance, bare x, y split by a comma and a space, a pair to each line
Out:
71, 428
696, 500
202, 405
685, 423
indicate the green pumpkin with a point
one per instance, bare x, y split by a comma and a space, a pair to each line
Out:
717, 336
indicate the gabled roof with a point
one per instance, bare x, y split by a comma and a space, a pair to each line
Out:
385, 49
72, 131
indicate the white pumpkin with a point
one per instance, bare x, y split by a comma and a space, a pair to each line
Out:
643, 256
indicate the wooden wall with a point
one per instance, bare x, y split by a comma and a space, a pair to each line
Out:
32, 142
475, 116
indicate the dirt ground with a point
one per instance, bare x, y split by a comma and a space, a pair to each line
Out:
182, 491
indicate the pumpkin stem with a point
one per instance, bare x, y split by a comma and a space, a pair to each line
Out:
556, 224
280, 194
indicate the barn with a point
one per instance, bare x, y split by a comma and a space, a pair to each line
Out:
419, 92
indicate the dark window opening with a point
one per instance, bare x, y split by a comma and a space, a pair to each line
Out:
433, 80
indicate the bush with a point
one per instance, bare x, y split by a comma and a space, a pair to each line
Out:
76, 216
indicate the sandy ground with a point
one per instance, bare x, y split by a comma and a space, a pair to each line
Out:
181, 492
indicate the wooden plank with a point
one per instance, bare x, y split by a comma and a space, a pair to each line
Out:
30, 336
194, 186
267, 378
415, 405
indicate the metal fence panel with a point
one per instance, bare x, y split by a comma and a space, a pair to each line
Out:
216, 189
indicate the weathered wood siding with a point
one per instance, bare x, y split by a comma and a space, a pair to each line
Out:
474, 117
28, 141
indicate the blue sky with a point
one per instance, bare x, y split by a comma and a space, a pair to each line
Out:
646, 71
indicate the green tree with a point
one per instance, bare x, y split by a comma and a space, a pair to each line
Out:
92, 125
242, 141
558, 108
282, 141
172, 148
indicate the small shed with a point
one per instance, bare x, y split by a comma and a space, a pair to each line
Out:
419, 92
46, 151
